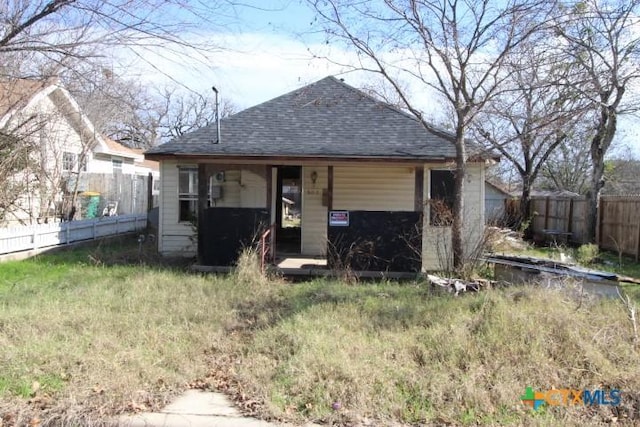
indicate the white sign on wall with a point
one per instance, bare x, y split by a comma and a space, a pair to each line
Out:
339, 218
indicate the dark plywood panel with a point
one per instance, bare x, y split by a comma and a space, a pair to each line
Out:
226, 231
377, 241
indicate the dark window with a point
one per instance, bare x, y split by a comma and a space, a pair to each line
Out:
442, 196
68, 161
187, 193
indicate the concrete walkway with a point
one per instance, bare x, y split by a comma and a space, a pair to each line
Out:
195, 408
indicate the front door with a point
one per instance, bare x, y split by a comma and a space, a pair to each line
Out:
288, 209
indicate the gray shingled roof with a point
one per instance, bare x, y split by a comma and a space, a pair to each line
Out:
326, 119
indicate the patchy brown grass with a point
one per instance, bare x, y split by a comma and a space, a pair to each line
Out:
84, 337
398, 353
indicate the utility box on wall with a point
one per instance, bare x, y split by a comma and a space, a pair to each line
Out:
216, 192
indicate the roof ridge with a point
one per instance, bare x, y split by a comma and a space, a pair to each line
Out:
291, 92
327, 117
430, 127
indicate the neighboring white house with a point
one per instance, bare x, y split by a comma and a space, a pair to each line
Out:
55, 147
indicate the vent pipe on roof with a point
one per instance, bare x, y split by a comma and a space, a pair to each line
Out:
217, 116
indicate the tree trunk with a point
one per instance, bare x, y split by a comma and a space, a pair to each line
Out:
524, 221
458, 204
597, 182
599, 146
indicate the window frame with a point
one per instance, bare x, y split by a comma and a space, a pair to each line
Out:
189, 198
69, 164
117, 164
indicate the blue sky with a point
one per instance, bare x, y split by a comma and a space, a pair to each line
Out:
267, 52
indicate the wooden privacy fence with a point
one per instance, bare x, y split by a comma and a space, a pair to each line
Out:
130, 192
564, 219
38, 236
561, 218
619, 225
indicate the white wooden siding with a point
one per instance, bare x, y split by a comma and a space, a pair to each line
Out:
314, 214
100, 163
230, 190
436, 241
176, 238
373, 188
46, 125
243, 187
494, 204
103, 163
253, 192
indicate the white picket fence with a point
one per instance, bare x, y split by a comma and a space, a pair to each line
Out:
38, 236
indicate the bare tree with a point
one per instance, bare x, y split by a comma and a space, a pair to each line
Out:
63, 30
457, 48
181, 112
602, 41
71, 38
14, 161
124, 109
569, 167
622, 176
128, 112
534, 115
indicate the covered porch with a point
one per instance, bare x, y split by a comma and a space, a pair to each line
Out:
312, 218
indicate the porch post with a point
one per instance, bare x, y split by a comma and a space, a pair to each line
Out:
418, 206
329, 190
272, 236
418, 198
268, 177
203, 204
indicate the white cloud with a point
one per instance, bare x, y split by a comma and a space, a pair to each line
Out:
256, 67
252, 69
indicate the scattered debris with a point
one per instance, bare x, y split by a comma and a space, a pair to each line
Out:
457, 286
553, 273
552, 266
504, 239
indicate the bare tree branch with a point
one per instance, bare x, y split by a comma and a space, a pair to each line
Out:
457, 48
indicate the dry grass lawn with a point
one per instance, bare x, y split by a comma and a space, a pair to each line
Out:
94, 332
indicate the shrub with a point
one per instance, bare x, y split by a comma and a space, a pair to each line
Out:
248, 269
587, 254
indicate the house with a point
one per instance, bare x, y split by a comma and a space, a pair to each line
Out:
495, 203
60, 150
375, 183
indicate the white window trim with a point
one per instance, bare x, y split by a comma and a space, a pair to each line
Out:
192, 195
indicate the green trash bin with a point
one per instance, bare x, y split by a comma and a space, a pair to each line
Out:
91, 203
